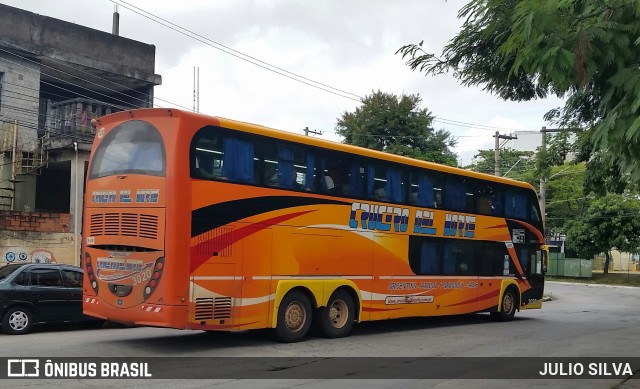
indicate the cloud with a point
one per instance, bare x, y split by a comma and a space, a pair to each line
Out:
349, 45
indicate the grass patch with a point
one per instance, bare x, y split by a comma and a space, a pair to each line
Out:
625, 279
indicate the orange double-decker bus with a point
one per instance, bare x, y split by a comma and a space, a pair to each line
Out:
205, 223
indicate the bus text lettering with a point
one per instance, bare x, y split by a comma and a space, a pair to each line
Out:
379, 217
460, 225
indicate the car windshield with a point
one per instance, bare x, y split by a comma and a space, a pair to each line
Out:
6, 271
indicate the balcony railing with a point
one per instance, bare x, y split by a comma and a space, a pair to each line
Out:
73, 118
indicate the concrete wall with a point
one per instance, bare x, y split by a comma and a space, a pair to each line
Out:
77, 44
37, 237
19, 101
41, 53
618, 262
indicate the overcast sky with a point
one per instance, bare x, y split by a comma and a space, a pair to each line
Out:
345, 44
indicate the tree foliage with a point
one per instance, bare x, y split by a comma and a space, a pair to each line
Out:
584, 50
514, 163
609, 222
565, 198
397, 125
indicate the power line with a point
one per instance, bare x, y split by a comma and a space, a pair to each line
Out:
68, 74
62, 63
270, 67
221, 47
237, 54
76, 85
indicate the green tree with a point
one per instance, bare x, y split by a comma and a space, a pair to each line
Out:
610, 222
584, 50
565, 199
514, 163
397, 125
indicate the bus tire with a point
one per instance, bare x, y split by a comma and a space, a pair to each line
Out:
17, 321
508, 306
337, 318
294, 317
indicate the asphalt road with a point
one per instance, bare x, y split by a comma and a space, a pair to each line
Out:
580, 322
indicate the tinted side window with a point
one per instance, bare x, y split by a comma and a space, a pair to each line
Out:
286, 165
515, 204
424, 190
488, 199
440, 256
455, 193
336, 176
215, 154
45, 277
206, 157
377, 182
21, 279
72, 278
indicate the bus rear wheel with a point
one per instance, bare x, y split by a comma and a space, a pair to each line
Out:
337, 318
508, 307
294, 317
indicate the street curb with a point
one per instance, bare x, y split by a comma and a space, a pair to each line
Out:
594, 285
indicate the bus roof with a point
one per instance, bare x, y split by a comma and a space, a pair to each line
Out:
203, 120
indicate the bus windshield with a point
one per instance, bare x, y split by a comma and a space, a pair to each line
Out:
134, 147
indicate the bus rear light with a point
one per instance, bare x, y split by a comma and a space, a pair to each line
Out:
157, 275
88, 267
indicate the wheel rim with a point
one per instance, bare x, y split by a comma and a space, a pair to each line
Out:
338, 313
18, 320
295, 316
507, 303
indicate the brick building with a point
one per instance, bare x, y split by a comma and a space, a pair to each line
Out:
55, 77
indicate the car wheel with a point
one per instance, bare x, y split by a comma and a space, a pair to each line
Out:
17, 321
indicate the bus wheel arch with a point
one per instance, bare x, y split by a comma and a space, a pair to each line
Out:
336, 319
509, 303
295, 314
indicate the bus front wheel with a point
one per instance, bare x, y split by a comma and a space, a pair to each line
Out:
294, 317
508, 306
337, 318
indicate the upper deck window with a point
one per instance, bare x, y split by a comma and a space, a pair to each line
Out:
133, 147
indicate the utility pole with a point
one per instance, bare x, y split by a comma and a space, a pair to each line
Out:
497, 150
307, 131
543, 178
